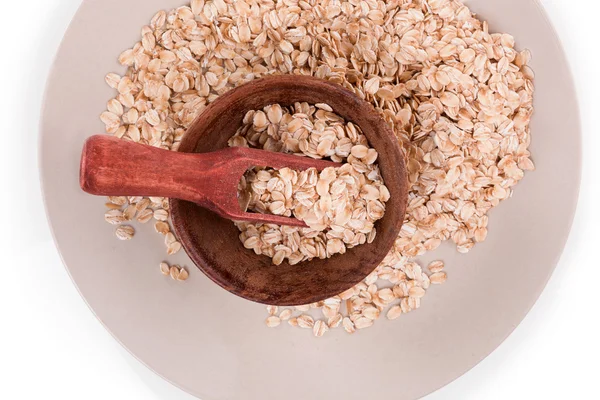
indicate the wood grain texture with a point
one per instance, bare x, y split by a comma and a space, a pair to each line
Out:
211, 241
115, 167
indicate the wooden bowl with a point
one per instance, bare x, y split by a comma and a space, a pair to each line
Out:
212, 242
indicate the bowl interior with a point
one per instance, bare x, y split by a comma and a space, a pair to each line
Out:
212, 241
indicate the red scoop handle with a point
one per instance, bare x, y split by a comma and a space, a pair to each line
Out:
115, 167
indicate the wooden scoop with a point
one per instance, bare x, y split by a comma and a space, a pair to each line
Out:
115, 167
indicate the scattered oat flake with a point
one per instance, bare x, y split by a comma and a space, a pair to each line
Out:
114, 217
273, 321
142, 205
305, 321
416, 291
436, 266
319, 328
165, 269
144, 216
129, 212
348, 325
183, 275
170, 238
174, 272
162, 227
363, 322
285, 314
125, 232
438, 278
161, 215
112, 206
394, 312
173, 248
335, 321
272, 310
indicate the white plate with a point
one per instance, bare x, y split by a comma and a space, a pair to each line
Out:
215, 345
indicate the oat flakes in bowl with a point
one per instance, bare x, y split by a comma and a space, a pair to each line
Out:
340, 205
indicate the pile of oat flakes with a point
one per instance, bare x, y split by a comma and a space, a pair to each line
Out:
339, 205
458, 97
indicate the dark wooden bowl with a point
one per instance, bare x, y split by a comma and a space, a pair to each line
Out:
212, 242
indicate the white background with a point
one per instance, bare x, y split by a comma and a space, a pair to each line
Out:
51, 346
